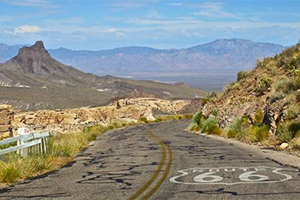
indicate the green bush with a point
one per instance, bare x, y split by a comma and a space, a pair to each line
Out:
287, 131
196, 122
197, 118
235, 128
258, 117
294, 128
258, 133
210, 126
242, 75
9, 172
286, 86
263, 85
215, 112
204, 101
293, 111
143, 120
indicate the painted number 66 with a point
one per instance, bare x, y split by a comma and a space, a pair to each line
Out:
209, 177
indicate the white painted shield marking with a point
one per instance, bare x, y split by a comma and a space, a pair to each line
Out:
231, 175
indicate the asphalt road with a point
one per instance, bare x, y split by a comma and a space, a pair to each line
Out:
162, 161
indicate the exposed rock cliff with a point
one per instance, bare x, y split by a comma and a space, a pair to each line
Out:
6, 118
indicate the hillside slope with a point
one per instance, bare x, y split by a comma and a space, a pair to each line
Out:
34, 80
267, 95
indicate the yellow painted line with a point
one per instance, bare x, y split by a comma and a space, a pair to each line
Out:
163, 178
157, 170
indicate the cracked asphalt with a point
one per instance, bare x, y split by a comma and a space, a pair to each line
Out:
162, 161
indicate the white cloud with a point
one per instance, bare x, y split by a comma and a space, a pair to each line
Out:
115, 31
214, 10
26, 29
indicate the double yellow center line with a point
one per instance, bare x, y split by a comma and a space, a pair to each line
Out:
155, 175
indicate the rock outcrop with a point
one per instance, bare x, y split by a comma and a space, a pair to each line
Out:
6, 118
127, 110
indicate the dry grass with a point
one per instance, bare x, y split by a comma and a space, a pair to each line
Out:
62, 149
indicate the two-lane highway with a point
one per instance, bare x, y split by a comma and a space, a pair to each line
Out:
162, 161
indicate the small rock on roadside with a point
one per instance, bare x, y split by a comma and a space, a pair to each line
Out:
284, 145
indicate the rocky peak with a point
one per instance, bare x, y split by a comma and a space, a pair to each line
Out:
38, 48
35, 60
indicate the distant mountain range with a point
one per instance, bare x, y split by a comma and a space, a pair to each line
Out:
221, 55
34, 80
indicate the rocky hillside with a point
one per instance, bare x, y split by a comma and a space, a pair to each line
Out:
221, 55
34, 80
269, 95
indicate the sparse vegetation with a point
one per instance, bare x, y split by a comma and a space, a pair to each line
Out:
258, 133
236, 128
267, 99
196, 123
263, 85
286, 86
210, 126
143, 120
242, 75
61, 149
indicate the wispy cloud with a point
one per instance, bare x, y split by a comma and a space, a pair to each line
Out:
130, 4
215, 10
30, 3
26, 29
175, 4
115, 31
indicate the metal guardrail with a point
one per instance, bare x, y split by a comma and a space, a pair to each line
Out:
33, 143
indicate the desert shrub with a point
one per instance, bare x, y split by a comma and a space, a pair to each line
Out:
263, 85
212, 95
196, 122
258, 133
158, 119
205, 100
92, 132
9, 172
67, 145
143, 120
215, 112
188, 116
238, 129
258, 117
210, 126
296, 143
275, 96
194, 127
242, 75
33, 165
287, 131
293, 111
294, 128
236, 86
286, 86
235, 128
197, 118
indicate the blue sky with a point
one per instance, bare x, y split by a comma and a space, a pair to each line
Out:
106, 24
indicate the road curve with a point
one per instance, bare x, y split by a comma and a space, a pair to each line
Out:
162, 161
